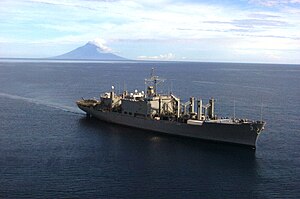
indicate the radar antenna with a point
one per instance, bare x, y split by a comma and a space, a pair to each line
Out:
154, 81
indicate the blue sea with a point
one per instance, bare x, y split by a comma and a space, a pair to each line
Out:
49, 149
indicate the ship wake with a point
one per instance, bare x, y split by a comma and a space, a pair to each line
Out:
43, 102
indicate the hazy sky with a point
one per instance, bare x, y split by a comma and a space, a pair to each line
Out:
216, 30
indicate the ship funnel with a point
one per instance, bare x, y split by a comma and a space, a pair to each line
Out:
199, 109
192, 105
211, 108
112, 93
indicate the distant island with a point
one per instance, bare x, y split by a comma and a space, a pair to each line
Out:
90, 51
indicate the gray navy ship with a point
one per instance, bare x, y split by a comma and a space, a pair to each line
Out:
165, 113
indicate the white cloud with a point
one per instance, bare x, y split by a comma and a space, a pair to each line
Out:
169, 20
270, 3
101, 43
124, 23
168, 56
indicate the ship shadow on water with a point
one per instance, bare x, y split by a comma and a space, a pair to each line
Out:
161, 139
196, 164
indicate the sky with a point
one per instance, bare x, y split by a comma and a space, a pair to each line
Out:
256, 31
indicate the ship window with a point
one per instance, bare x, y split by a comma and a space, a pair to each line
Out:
125, 112
130, 113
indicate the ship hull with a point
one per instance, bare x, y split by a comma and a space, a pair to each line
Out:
243, 134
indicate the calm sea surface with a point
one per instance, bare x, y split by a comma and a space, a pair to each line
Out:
48, 149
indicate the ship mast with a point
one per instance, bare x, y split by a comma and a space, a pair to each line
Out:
153, 81
234, 109
261, 112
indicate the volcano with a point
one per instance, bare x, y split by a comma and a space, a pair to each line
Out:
90, 51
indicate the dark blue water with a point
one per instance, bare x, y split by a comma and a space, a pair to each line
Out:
48, 149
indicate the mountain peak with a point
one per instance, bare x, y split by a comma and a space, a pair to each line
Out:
93, 50
90, 46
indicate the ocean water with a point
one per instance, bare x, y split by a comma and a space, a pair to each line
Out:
48, 149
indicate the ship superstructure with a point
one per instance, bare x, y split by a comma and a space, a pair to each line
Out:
166, 114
